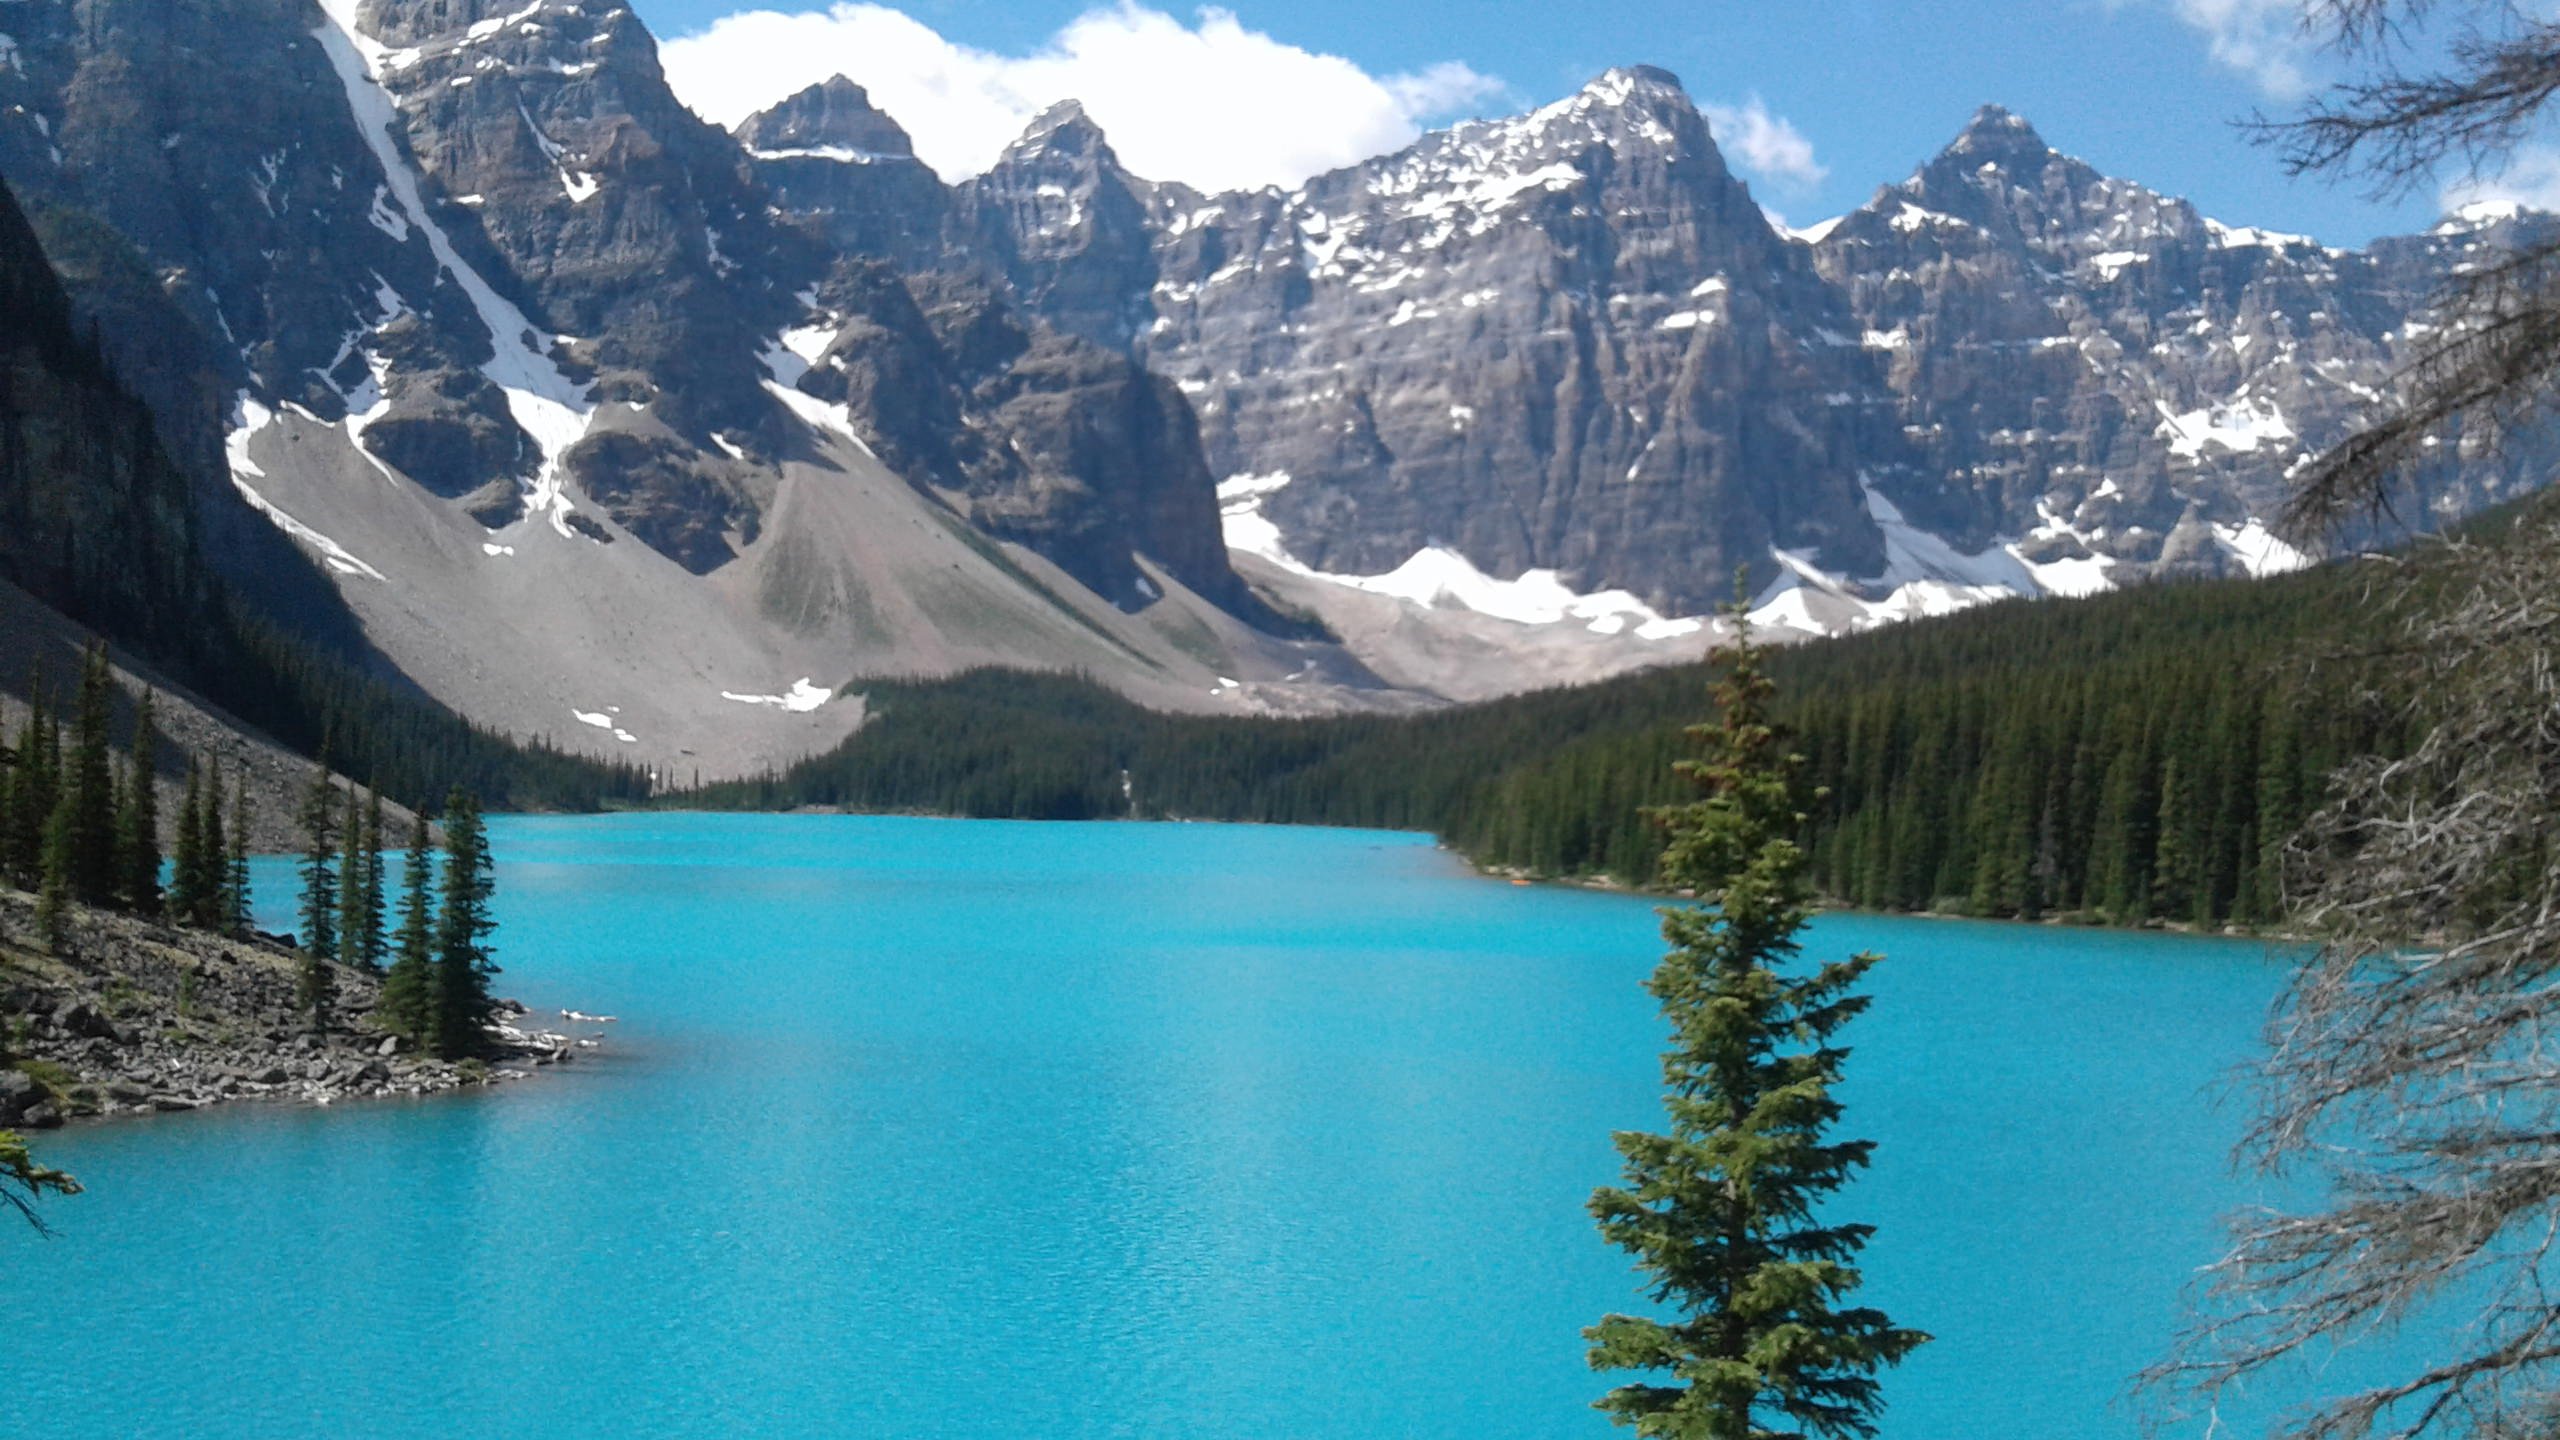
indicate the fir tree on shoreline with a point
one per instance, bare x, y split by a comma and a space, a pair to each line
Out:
460, 1004
53, 888
211, 872
319, 935
138, 820
407, 998
235, 861
31, 790
359, 899
1720, 1210
91, 792
374, 946
187, 873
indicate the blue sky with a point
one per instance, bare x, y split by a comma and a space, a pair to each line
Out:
1850, 93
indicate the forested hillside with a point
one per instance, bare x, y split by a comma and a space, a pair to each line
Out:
100, 524
2122, 758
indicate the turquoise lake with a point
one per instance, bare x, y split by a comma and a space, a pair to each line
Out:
942, 1128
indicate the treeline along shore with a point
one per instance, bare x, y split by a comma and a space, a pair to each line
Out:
133, 1016
2131, 758
133, 978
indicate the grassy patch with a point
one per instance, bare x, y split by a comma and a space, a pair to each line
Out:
56, 1079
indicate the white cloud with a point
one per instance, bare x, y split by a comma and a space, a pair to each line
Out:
2262, 39
1211, 103
2530, 177
1768, 146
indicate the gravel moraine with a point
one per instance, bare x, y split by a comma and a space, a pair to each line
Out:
132, 1017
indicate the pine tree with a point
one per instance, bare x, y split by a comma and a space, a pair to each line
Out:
53, 884
31, 795
187, 870
1719, 1211
138, 821
407, 998
319, 880
92, 788
217, 857
235, 889
460, 1020
215, 873
375, 947
2173, 858
316, 988
351, 885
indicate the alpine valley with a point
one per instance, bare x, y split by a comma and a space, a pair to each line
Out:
652, 439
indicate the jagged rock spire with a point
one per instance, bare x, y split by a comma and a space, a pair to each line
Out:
833, 114
1063, 130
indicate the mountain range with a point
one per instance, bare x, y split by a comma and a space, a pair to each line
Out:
618, 428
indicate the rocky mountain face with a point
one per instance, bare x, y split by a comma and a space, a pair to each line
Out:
614, 427
1032, 429
1570, 342
471, 227
1031, 434
2102, 370
581, 402
1063, 226
849, 173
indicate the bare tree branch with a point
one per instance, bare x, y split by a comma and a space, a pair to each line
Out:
2413, 1073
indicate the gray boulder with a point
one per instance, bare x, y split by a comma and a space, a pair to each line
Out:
19, 1094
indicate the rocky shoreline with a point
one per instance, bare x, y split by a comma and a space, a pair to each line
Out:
132, 1017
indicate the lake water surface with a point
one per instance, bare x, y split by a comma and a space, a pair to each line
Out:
941, 1128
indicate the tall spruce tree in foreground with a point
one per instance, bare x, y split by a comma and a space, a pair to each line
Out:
1719, 1211
408, 1000
459, 1025
319, 880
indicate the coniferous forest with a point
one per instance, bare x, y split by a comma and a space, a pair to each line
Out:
2131, 757
98, 521
2125, 758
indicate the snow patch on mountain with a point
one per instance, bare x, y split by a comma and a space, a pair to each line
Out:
2257, 549
545, 403
2245, 422
2243, 237
1463, 182
577, 184
248, 417
1437, 576
818, 415
1925, 575
803, 696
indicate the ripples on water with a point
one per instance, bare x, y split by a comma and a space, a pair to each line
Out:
921, 1128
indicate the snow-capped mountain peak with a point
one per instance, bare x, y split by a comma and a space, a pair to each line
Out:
1063, 130
1996, 133
833, 119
